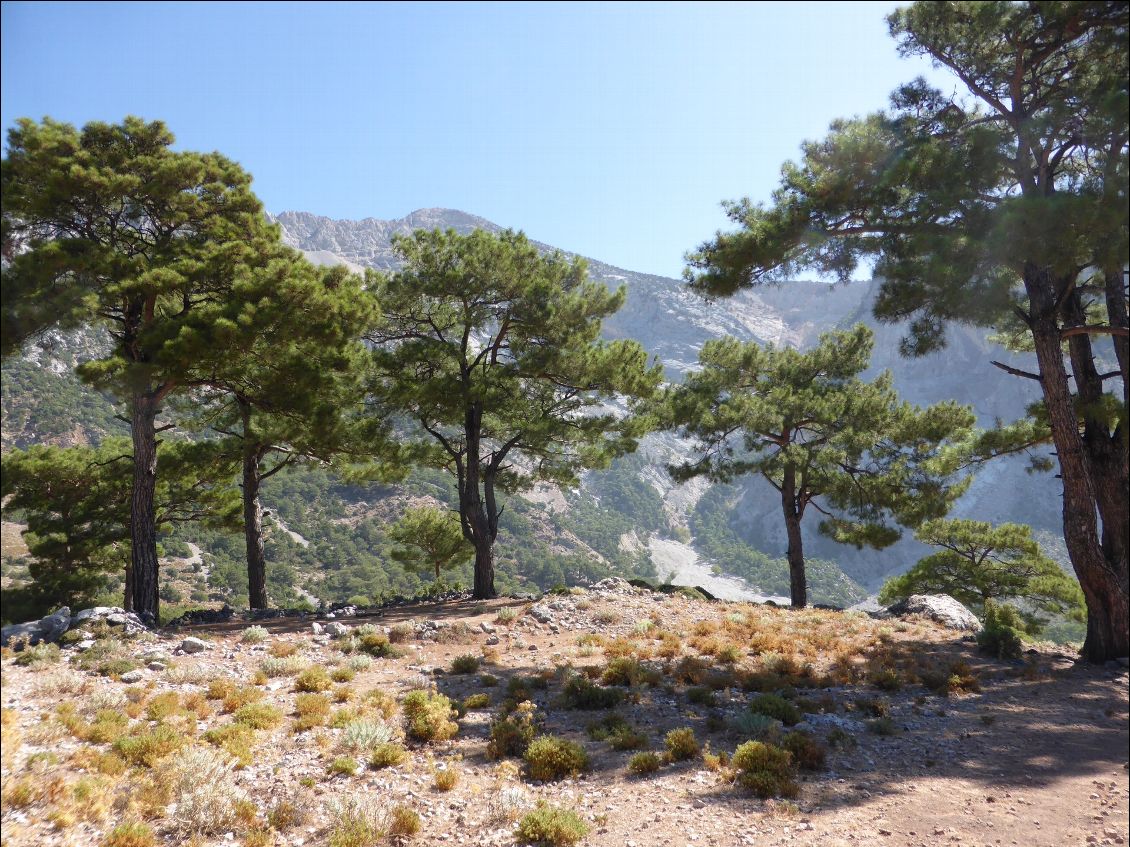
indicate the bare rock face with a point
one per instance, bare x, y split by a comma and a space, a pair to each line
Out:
940, 608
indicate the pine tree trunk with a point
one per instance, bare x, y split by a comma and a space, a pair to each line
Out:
143, 513
798, 582
253, 530
1104, 582
479, 528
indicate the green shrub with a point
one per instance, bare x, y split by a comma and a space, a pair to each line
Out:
254, 635
428, 715
403, 822
39, 656
808, 753
552, 825
466, 663
387, 755
619, 734
580, 692
343, 766
133, 834
1001, 633
773, 706
701, 695
765, 769
147, 747
378, 645
681, 744
882, 726
475, 701
643, 763
511, 734
549, 758
258, 715
313, 679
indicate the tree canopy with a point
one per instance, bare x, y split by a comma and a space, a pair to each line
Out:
822, 437
492, 351
980, 563
1006, 204
110, 226
431, 540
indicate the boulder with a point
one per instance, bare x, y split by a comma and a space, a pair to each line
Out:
540, 613
940, 608
56, 623
194, 645
21, 633
337, 630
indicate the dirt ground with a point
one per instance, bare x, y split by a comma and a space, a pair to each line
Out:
1036, 758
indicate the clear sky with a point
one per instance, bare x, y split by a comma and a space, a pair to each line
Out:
610, 130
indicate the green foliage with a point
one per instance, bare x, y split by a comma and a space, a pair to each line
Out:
580, 692
644, 763
550, 758
765, 769
527, 391
511, 734
428, 716
773, 706
980, 563
1001, 204
76, 502
431, 540
817, 433
1001, 634
681, 744
552, 825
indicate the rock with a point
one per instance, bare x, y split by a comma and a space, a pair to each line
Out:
492, 640
337, 630
96, 612
540, 613
486, 627
615, 584
316, 628
194, 645
21, 633
56, 623
156, 666
940, 608
131, 677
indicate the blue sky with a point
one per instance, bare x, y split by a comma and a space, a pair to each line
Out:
610, 130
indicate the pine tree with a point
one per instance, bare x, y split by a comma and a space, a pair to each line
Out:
76, 503
980, 563
109, 226
1005, 204
431, 540
822, 437
294, 393
493, 352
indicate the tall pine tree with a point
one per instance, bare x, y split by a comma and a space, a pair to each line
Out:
109, 226
822, 437
493, 352
1008, 202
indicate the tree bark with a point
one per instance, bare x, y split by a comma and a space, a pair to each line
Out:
143, 511
253, 528
478, 527
1103, 581
798, 582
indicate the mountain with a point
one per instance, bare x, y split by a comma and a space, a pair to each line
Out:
673, 323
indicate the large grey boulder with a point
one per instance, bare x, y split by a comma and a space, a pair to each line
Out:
28, 634
940, 608
56, 623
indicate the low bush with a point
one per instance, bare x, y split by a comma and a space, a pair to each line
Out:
765, 769
387, 755
808, 753
681, 744
1001, 634
552, 825
313, 679
511, 734
644, 763
549, 758
774, 706
428, 716
579, 692
467, 663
